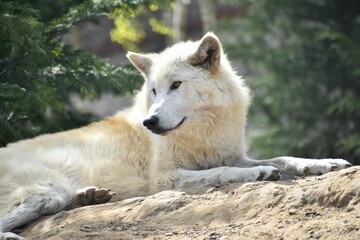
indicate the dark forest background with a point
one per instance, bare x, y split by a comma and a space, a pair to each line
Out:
302, 61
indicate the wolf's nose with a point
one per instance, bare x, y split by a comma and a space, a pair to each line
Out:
151, 122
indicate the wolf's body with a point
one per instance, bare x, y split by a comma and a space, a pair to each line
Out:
186, 128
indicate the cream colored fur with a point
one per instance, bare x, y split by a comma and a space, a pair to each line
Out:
199, 142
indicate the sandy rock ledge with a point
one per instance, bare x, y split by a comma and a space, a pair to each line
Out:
323, 207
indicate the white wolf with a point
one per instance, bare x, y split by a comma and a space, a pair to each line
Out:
186, 128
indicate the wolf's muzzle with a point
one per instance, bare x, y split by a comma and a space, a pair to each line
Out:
151, 123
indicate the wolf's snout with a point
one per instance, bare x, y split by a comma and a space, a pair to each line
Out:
151, 123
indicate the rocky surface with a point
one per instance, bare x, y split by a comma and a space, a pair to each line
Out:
321, 207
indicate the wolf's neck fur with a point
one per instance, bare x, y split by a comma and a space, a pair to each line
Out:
208, 140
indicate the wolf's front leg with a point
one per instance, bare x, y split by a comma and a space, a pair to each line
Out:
291, 166
183, 178
90, 196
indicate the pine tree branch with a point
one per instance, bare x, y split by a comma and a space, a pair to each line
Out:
89, 11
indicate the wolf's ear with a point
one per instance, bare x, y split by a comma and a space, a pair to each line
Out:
208, 53
141, 61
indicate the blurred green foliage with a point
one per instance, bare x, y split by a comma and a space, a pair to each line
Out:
130, 27
38, 71
307, 88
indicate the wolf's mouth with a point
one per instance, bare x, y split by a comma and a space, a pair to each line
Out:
163, 132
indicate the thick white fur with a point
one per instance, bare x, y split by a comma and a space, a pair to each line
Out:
49, 173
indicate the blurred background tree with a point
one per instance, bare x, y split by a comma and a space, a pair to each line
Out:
307, 87
38, 72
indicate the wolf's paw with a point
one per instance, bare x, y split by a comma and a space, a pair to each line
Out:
94, 195
10, 236
267, 173
322, 166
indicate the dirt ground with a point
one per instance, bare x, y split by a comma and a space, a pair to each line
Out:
322, 207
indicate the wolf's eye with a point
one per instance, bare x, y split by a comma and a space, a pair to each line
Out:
175, 85
153, 91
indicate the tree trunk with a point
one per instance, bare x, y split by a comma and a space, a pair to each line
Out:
208, 15
179, 21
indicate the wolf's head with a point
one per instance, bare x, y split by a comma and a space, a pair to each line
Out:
186, 84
